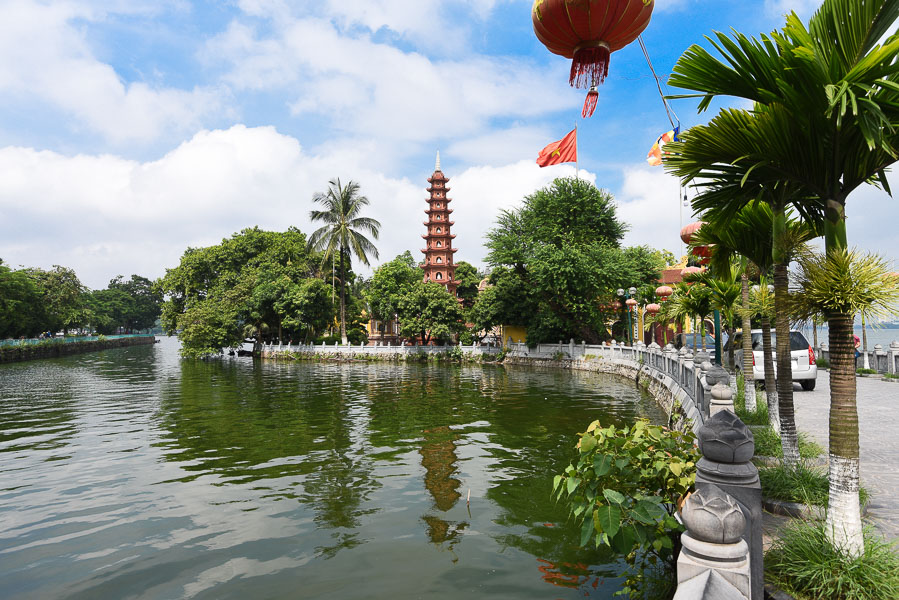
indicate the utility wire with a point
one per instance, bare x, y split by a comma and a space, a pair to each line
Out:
668, 110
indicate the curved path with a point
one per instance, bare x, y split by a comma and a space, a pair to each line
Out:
879, 441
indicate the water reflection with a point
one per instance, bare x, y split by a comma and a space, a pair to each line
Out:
230, 478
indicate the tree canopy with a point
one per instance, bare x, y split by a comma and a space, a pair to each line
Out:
252, 285
559, 257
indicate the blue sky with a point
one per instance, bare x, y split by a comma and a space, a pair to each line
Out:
132, 129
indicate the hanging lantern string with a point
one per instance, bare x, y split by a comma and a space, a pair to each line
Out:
668, 110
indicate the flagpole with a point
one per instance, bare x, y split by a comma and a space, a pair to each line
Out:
576, 172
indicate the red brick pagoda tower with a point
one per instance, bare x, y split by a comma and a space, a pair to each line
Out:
438, 265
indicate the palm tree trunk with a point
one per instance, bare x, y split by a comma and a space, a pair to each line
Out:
343, 340
844, 524
788, 436
770, 385
748, 379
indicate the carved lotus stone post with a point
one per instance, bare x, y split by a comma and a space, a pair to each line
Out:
727, 446
714, 562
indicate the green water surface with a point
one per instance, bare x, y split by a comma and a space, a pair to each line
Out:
130, 473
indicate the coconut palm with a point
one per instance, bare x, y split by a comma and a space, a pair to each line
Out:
838, 88
724, 287
342, 235
744, 234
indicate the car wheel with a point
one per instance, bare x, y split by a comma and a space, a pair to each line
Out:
807, 384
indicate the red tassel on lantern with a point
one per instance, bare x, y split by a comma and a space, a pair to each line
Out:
590, 102
590, 64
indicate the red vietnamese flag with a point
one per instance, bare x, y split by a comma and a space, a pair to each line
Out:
563, 151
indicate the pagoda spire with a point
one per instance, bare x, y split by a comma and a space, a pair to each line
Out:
437, 164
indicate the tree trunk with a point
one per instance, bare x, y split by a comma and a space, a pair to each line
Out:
701, 333
748, 379
770, 385
788, 436
844, 524
865, 362
343, 340
730, 351
815, 336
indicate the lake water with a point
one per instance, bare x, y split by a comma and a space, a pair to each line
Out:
132, 474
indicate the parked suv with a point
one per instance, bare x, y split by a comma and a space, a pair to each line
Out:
805, 371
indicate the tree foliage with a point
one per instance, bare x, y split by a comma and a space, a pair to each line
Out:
559, 255
252, 285
467, 278
429, 312
343, 234
623, 489
389, 283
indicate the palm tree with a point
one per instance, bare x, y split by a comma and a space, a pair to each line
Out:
724, 288
838, 89
342, 234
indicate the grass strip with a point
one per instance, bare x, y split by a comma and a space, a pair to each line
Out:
803, 562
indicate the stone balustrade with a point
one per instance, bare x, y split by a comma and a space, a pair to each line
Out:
882, 360
387, 350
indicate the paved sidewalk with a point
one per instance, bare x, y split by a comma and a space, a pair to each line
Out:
878, 413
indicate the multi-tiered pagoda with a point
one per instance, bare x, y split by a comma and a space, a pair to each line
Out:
438, 265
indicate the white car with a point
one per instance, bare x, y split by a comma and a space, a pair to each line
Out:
805, 371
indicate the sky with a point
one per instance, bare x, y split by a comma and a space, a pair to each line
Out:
131, 130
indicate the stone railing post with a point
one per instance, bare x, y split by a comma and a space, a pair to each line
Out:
571, 348
727, 446
894, 358
879, 360
714, 376
714, 561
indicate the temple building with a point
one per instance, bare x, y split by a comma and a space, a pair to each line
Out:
438, 264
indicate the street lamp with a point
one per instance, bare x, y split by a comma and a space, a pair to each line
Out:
630, 302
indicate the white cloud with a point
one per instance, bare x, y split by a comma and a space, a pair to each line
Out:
362, 86
650, 202
104, 215
47, 59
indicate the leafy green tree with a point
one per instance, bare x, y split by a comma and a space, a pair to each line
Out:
343, 233
562, 245
833, 90
429, 312
306, 307
468, 279
66, 300
389, 283
22, 312
220, 295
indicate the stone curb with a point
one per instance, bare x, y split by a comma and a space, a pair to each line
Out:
773, 593
797, 510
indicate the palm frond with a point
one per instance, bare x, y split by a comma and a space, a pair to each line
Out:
844, 281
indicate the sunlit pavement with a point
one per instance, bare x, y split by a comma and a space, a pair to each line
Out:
878, 402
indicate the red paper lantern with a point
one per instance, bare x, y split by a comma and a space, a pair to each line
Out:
630, 302
588, 31
686, 234
616, 305
690, 271
653, 308
663, 291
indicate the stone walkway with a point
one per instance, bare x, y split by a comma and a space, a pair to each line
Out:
878, 413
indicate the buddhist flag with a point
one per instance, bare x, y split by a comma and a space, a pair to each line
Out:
654, 156
563, 151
